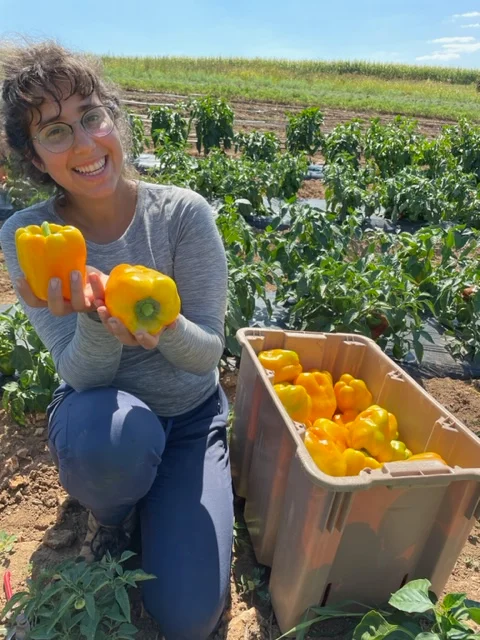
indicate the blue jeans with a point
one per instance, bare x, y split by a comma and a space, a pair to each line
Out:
113, 452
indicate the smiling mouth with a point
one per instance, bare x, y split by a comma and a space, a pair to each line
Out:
93, 169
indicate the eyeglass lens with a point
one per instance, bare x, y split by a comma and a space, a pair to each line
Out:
59, 136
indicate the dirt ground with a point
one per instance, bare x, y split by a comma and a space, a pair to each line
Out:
266, 116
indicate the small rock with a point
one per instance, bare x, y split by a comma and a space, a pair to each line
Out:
248, 624
473, 539
55, 539
11, 466
18, 497
50, 501
23, 453
39, 432
41, 526
36, 501
17, 482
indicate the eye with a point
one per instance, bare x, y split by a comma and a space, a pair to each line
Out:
55, 132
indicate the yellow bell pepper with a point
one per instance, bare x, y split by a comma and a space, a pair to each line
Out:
319, 388
426, 455
326, 455
50, 251
400, 450
327, 374
295, 399
345, 419
284, 363
352, 394
327, 430
393, 426
142, 298
358, 460
371, 431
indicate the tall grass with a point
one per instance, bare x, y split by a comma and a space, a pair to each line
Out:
302, 68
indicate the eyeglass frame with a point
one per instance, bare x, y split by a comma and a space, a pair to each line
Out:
70, 126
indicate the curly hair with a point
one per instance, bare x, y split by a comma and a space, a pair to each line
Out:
46, 71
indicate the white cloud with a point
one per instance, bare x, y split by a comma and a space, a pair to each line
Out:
459, 39
440, 55
471, 14
462, 48
475, 25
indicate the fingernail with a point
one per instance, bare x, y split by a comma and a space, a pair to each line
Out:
19, 282
75, 275
113, 323
55, 284
140, 336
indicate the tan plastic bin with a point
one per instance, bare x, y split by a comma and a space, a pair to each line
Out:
329, 539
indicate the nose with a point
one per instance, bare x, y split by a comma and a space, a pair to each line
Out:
82, 140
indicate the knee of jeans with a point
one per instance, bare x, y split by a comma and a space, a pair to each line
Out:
195, 620
108, 427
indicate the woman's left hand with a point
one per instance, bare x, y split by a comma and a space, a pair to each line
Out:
139, 339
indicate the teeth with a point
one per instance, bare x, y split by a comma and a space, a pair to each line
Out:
91, 168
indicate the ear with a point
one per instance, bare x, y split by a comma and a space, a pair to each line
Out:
38, 164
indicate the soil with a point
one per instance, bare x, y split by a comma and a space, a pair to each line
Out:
267, 116
7, 294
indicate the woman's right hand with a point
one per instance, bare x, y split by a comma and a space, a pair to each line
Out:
83, 299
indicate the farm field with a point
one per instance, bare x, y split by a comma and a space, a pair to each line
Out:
378, 88
49, 527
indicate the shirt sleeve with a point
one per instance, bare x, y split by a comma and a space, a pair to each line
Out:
196, 342
85, 354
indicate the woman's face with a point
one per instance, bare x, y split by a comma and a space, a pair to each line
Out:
92, 166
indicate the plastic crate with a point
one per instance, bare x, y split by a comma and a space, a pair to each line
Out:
360, 537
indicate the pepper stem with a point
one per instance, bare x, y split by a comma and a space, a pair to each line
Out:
46, 229
147, 309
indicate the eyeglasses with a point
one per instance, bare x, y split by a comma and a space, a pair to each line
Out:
59, 136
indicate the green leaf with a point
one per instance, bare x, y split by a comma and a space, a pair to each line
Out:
66, 605
453, 600
413, 597
474, 613
42, 632
126, 555
127, 629
114, 613
90, 604
419, 350
121, 597
428, 635
22, 358
373, 626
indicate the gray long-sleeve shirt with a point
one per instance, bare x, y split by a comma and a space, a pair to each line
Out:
173, 231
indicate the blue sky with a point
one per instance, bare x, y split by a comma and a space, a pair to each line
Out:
410, 31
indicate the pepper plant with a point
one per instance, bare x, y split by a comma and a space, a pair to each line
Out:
137, 133
412, 612
303, 131
464, 139
23, 352
168, 126
344, 139
75, 600
213, 119
257, 145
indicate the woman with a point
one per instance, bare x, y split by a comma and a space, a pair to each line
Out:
138, 428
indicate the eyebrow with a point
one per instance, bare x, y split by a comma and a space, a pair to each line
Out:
81, 108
